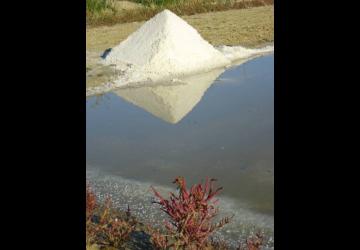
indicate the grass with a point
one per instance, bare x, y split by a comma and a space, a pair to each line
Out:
156, 2
191, 214
97, 7
105, 14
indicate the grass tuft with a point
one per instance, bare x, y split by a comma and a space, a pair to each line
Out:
98, 6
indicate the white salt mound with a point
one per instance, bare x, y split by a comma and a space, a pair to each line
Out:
165, 46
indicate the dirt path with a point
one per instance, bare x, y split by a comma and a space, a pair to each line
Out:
247, 27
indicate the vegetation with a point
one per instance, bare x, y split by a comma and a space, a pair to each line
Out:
157, 2
104, 225
105, 12
191, 214
97, 7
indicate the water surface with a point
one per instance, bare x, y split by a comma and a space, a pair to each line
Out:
219, 124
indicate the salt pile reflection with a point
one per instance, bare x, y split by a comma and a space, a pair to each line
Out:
170, 103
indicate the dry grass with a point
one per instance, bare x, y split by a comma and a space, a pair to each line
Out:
185, 7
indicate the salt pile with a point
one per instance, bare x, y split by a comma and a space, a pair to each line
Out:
165, 46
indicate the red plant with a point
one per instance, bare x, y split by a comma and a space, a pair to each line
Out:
219, 245
253, 243
104, 226
159, 240
191, 213
90, 201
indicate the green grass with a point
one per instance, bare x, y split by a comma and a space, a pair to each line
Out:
157, 2
99, 16
96, 7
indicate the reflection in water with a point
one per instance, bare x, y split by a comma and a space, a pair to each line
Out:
170, 102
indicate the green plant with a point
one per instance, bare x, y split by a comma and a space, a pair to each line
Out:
98, 6
152, 7
157, 2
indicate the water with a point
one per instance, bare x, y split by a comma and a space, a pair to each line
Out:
219, 124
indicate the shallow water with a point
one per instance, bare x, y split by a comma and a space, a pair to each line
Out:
219, 124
